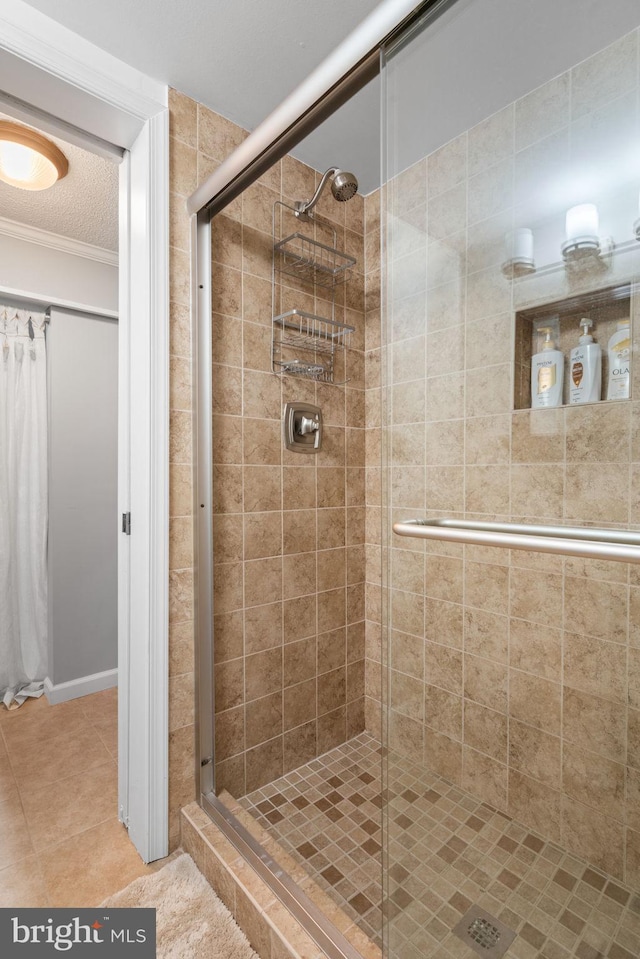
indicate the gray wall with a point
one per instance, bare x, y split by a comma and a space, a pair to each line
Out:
83, 520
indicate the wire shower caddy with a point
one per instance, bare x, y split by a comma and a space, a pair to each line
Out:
305, 344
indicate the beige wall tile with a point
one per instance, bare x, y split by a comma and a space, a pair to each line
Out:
447, 166
535, 753
443, 712
485, 730
443, 667
263, 627
604, 76
536, 804
589, 834
486, 635
535, 648
595, 780
484, 777
542, 111
536, 701
485, 682
539, 599
595, 667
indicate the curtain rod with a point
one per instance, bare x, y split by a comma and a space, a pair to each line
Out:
353, 50
25, 301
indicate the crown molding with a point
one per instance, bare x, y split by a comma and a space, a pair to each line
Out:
54, 241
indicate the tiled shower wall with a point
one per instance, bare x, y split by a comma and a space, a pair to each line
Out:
513, 674
289, 529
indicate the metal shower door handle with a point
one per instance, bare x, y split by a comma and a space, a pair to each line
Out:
621, 546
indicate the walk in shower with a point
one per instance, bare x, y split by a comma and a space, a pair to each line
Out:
426, 652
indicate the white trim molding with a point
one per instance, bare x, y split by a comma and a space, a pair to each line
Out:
95, 683
148, 766
55, 241
38, 39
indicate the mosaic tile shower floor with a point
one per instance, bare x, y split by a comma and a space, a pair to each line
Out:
448, 851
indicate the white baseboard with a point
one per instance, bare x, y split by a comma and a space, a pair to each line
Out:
80, 687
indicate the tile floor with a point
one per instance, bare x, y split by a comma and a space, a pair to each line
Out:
447, 851
60, 840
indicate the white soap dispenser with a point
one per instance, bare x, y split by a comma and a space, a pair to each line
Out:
547, 372
585, 368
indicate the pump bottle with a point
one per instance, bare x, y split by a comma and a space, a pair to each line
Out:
547, 372
619, 383
585, 368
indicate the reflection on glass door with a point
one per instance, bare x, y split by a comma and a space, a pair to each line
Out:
513, 697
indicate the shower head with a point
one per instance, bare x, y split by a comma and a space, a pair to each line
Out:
343, 186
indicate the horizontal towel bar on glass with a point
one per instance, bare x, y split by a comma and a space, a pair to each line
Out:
621, 546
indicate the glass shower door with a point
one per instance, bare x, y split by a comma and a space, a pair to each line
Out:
511, 698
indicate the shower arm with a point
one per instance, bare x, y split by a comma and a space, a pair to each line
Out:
303, 207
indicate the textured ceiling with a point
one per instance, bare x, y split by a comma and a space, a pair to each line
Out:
83, 206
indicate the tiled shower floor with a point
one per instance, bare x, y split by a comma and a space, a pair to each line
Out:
448, 852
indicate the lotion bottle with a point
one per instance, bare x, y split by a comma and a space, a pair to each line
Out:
547, 371
620, 362
585, 368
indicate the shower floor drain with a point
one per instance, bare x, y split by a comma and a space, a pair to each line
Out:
485, 934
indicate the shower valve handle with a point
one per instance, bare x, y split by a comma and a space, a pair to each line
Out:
308, 425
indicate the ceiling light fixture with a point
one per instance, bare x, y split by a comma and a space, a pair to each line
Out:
28, 160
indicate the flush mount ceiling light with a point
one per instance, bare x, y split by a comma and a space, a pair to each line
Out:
28, 160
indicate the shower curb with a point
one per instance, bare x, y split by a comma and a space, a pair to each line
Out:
273, 931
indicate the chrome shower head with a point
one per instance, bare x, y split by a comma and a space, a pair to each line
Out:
343, 186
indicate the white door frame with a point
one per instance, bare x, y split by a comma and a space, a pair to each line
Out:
55, 71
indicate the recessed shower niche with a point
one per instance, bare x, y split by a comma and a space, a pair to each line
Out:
559, 324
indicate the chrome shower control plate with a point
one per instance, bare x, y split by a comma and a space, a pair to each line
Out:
302, 428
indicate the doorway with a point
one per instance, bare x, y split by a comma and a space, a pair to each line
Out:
87, 94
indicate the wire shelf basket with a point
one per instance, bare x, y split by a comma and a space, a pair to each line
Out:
312, 261
315, 337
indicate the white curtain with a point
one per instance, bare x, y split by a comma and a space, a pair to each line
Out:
23, 505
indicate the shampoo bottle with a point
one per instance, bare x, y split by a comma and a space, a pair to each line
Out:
547, 371
620, 362
585, 368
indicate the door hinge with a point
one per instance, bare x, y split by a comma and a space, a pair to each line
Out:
126, 523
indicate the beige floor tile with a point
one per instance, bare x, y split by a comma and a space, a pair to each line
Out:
22, 885
57, 811
8, 788
15, 842
101, 707
29, 708
74, 751
42, 723
108, 733
84, 870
